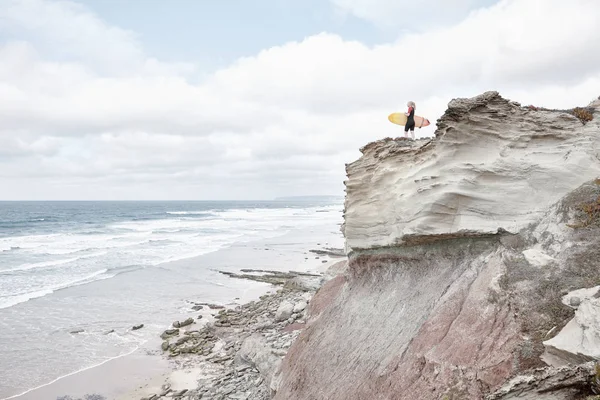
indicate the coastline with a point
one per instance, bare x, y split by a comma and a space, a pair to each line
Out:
123, 377
235, 354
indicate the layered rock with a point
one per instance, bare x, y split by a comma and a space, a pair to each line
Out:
464, 254
493, 165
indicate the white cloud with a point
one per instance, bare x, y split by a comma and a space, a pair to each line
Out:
282, 122
408, 13
68, 30
65, 30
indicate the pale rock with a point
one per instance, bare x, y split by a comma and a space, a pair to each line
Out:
537, 257
547, 384
307, 296
299, 307
284, 311
493, 165
581, 294
579, 340
256, 352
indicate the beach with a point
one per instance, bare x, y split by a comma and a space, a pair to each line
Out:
235, 355
222, 369
94, 322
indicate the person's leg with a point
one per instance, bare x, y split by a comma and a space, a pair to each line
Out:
412, 132
406, 127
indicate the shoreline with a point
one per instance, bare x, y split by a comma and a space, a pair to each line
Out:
144, 367
236, 355
25, 394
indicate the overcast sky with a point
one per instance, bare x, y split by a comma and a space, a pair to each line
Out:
204, 99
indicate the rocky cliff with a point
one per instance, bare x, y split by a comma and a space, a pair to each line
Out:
474, 264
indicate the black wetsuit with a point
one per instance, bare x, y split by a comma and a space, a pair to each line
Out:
410, 122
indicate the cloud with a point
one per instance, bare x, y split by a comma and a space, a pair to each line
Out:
68, 31
282, 122
408, 13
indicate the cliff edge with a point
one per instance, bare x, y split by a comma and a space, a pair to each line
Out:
493, 165
474, 264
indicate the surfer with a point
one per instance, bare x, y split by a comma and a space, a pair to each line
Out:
410, 122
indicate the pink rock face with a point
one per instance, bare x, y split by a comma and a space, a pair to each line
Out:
325, 297
409, 326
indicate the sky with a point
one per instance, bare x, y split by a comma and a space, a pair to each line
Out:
202, 99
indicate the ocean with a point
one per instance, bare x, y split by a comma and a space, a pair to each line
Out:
75, 277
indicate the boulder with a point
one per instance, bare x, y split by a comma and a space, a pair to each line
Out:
179, 393
574, 301
182, 340
299, 306
256, 352
137, 327
169, 333
284, 311
187, 322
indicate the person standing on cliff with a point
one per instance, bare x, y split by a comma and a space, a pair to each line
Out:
410, 122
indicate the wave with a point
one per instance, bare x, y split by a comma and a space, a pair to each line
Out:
196, 213
27, 267
14, 299
114, 271
133, 245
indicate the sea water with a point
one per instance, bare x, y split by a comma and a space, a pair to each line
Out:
76, 276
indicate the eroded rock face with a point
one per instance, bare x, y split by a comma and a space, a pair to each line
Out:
579, 340
494, 165
465, 252
408, 322
564, 383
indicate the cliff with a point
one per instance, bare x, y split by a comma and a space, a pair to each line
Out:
474, 264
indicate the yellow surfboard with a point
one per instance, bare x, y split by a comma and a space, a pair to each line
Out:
400, 119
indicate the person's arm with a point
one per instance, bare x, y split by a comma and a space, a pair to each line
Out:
409, 111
